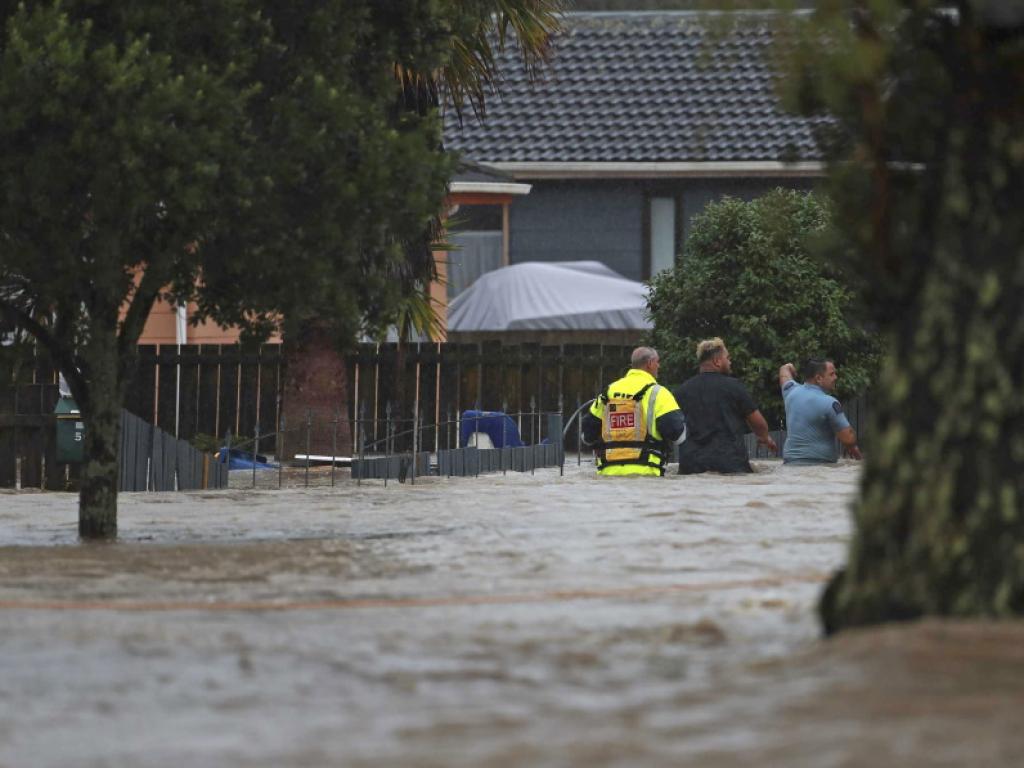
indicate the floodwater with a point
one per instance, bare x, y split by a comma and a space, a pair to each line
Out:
502, 620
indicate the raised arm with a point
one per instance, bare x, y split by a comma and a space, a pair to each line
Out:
787, 373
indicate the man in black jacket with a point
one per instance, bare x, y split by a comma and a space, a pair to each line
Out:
718, 409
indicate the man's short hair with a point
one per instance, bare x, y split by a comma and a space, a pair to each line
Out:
642, 356
813, 366
709, 349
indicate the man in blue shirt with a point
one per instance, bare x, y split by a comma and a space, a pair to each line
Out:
814, 419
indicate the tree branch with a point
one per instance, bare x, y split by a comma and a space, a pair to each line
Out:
67, 361
142, 300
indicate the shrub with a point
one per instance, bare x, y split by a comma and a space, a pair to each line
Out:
751, 272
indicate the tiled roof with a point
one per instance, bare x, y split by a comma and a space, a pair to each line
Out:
475, 172
641, 87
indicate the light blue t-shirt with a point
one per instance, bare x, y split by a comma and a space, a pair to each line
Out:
812, 420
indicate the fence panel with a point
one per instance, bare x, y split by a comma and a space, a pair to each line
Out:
208, 387
158, 464
8, 456
186, 403
186, 467
449, 379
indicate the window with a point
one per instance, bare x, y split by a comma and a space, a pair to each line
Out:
661, 235
476, 232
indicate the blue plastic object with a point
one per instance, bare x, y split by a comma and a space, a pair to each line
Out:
238, 458
498, 426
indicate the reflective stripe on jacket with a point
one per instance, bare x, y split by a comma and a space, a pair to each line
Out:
625, 455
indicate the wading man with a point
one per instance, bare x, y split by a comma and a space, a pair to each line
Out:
814, 419
718, 410
632, 423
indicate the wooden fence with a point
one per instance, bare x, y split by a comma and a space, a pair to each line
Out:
150, 459
213, 389
28, 440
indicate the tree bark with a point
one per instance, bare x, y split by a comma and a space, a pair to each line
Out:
939, 524
100, 404
315, 389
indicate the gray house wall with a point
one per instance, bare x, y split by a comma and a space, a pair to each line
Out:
573, 220
698, 193
605, 220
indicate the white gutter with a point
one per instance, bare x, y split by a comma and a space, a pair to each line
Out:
725, 169
489, 187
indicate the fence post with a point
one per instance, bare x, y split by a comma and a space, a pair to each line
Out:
560, 445
476, 419
535, 429
334, 445
504, 439
415, 436
280, 444
579, 431
227, 447
387, 442
255, 450
309, 425
360, 415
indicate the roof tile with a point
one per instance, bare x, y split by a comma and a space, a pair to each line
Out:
640, 87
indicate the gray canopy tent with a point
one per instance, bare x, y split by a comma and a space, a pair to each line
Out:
572, 301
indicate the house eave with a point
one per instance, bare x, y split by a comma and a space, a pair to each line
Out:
487, 187
660, 170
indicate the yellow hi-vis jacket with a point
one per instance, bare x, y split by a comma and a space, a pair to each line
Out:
630, 442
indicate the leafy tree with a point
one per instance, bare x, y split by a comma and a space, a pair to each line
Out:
748, 274
277, 163
246, 155
927, 168
468, 76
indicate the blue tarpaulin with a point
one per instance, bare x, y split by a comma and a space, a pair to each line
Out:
238, 458
498, 426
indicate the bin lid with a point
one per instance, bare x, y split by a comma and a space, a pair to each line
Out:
66, 406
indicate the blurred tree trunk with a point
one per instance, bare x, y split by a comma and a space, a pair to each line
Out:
939, 524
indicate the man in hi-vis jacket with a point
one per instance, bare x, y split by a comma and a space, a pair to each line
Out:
632, 423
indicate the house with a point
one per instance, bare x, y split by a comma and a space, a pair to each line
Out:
479, 200
640, 121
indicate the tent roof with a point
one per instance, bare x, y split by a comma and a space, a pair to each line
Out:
550, 296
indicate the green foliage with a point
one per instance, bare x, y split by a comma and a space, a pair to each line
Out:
748, 274
206, 443
249, 156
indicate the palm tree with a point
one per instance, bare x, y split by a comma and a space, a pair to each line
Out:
470, 75
482, 29
479, 31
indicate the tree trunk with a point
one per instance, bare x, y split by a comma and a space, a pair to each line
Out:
940, 518
101, 411
315, 390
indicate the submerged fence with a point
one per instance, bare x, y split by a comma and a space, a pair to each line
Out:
191, 390
150, 459
398, 398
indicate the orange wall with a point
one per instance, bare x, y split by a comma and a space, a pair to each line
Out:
160, 329
160, 326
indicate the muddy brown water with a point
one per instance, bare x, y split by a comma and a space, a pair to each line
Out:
505, 621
